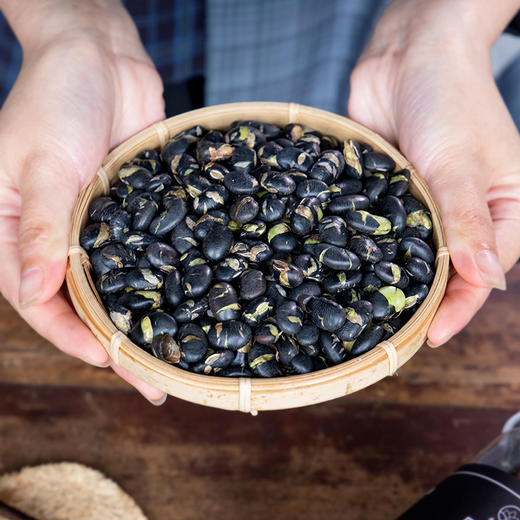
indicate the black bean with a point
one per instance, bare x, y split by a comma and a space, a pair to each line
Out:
138, 240
173, 292
94, 236
421, 223
217, 243
257, 310
411, 246
332, 348
353, 160
190, 310
195, 184
144, 214
192, 342
112, 256
415, 295
339, 281
289, 317
392, 274
169, 218
306, 216
253, 250
102, 209
214, 362
223, 302
159, 182
378, 162
215, 171
375, 187
308, 335
388, 246
152, 325
252, 284
328, 167
240, 183
367, 340
243, 159
281, 239
287, 349
244, 210
214, 197
398, 183
165, 348
144, 279
359, 315
346, 187
162, 256
313, 188
327, 314
419, 270
121, 317
262, 362
245, 134
365, 248
230, 268
333, 230
278, 183
302, 363
340, 205
230, 334
366, 222
276, 293
197, 280
112, 282
392, 208
135, 175
386, 302
254, 229
141, 300
337, 258
304, 291
119, 224
370, 283
287, 274
267, 333
271, 209
292, 157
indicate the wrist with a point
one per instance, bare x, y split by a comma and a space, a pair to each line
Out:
38, 23
444, 25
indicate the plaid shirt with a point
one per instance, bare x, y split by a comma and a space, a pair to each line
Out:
301, 51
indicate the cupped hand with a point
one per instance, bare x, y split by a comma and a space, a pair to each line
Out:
75, 98
431, 92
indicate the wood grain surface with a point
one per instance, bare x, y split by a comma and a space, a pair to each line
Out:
365, 456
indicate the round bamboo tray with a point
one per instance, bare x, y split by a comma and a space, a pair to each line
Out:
248, 394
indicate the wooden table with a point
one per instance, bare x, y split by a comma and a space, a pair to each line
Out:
365, 456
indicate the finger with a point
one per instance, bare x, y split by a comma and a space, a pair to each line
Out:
154, 395
469, 227
47, 200
461, 302
55, 320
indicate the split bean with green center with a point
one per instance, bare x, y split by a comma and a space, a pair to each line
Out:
259, 251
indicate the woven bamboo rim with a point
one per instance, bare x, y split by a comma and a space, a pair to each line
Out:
245, 394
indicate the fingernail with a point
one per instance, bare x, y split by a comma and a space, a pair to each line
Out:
490, 269
31, 286
434, 345
160, 401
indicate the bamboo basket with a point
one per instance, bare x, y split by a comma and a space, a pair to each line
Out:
250, 394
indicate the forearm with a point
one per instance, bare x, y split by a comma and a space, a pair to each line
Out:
37, 22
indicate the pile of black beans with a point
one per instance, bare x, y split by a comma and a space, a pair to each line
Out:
260, 250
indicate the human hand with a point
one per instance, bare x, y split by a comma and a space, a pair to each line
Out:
424, 82
80, 92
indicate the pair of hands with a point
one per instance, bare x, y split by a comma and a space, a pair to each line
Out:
80, 94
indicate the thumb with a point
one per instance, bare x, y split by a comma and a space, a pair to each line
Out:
470, 231
47, 195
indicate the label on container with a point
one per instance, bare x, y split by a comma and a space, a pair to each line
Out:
474, 492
